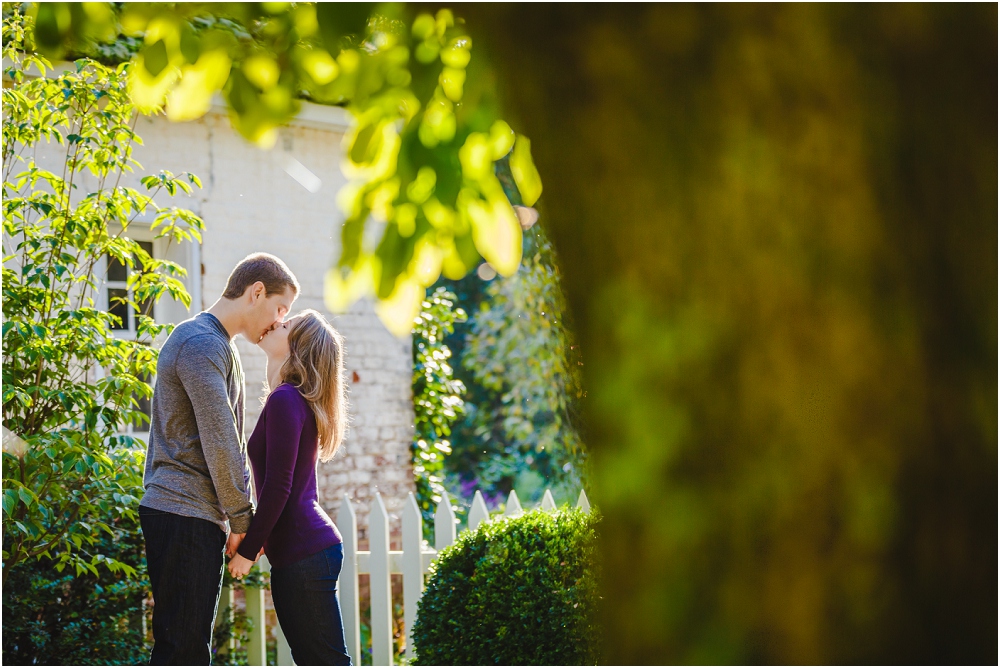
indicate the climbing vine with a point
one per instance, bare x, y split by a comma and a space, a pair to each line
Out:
437, 395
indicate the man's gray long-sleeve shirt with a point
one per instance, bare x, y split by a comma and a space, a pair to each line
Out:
196, 463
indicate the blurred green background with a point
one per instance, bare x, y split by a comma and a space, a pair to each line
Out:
777, 227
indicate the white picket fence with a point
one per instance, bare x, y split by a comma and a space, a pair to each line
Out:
380, 563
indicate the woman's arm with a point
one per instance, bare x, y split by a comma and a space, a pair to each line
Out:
286, 418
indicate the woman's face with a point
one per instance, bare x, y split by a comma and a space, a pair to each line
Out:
275, 341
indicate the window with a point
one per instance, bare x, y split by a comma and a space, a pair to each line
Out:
116, 291
166, 310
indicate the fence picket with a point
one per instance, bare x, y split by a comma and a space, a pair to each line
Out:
347, 522
513, 505
381, 585
224, 615
548, 503
413, 571
478, 513
444, 523
583, 502
257, 648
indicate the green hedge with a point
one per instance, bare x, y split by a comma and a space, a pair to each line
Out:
60, 618
518, 591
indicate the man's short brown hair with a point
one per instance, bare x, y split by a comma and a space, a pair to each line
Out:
263, 267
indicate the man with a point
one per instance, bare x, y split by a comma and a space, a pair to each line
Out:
197, 477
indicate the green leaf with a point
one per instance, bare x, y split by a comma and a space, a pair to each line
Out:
9, 501
27, 498
526, 176
155, 57
52, 22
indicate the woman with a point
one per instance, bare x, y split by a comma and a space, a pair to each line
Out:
303, 420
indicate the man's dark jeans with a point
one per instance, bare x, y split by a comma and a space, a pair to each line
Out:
305, 600
185, 557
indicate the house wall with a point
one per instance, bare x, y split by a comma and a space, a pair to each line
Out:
249, 203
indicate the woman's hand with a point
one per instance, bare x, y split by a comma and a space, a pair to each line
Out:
239, 566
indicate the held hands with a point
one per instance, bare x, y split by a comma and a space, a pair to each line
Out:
239, 565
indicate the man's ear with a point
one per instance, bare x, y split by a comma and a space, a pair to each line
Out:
257, 290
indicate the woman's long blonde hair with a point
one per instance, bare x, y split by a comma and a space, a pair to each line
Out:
315, 366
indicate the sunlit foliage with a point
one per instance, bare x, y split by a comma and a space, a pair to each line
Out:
437, 396
419, 157
522, 430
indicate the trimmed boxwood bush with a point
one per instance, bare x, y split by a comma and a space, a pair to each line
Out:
516, 591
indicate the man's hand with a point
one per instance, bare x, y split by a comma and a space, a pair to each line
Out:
233, 543
239, 566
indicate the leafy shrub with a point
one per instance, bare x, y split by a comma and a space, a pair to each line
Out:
437, 396
73, 569
520, 365
520, 350
53, 617
69, 468
516, 591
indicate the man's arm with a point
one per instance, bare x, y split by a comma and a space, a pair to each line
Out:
201, 367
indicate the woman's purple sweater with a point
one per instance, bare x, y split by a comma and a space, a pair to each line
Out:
289, 522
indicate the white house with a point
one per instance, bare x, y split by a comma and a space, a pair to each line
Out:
283, 201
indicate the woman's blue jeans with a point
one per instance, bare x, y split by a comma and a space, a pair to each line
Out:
305, 600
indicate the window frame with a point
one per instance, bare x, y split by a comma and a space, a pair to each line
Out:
137, 231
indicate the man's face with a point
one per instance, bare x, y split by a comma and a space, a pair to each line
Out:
275, 342
268, 311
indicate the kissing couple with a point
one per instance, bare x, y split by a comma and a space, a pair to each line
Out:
197, 508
